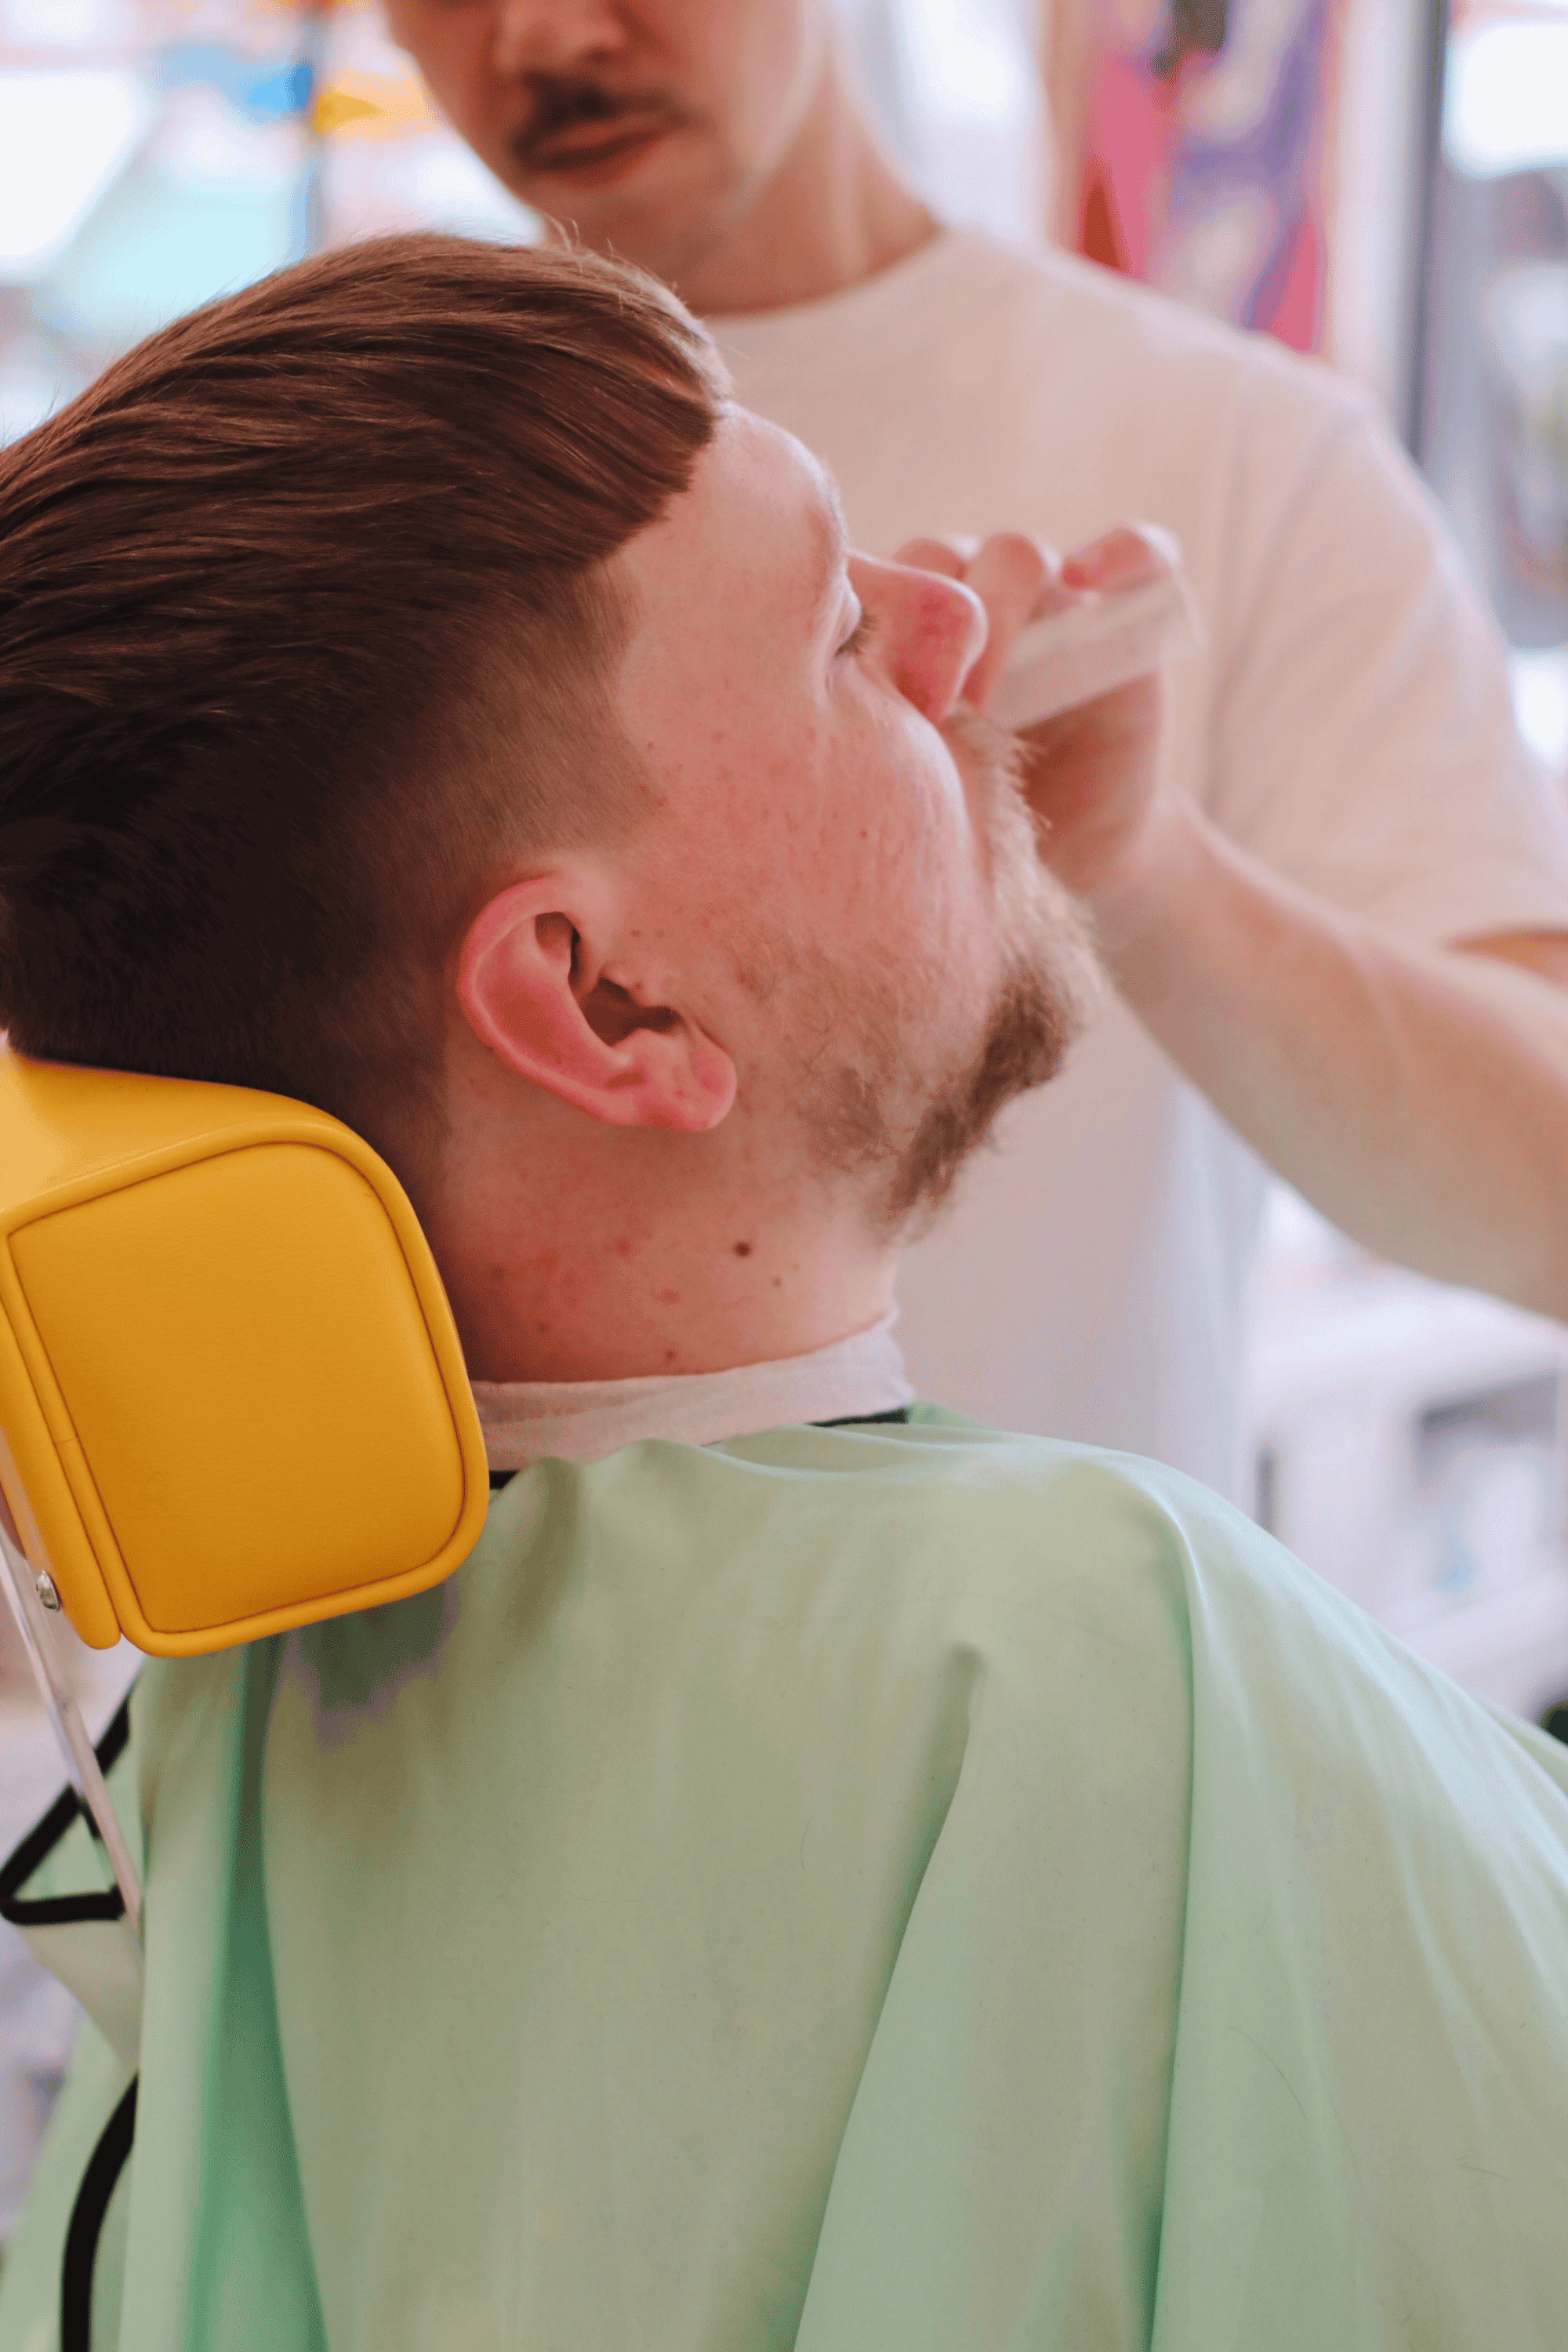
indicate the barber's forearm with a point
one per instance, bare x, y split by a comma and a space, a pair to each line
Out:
1419, 1098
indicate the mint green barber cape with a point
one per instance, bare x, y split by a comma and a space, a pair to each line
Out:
861, 1890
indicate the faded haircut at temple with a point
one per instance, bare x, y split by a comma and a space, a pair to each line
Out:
822, 1873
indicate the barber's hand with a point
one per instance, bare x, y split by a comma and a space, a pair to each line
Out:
1091, 772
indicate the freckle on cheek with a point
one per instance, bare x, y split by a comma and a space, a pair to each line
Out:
743, 1249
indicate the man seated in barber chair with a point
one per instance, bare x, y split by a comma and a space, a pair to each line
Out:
819, 1874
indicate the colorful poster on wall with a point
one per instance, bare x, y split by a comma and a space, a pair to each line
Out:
1205, 131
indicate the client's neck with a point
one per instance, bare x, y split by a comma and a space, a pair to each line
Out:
615, 1255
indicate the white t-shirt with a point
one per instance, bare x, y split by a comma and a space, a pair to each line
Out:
1349, 723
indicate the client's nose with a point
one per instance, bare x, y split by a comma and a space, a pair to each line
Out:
931, 630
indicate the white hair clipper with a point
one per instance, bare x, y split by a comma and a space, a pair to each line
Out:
1094, 646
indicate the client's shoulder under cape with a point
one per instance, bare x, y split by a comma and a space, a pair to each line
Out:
844, 1889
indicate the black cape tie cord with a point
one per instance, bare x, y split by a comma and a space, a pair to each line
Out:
63, 1910
104, 2166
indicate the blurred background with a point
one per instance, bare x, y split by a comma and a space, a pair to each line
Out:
1381, 181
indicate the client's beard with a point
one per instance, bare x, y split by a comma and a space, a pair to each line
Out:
882, 1108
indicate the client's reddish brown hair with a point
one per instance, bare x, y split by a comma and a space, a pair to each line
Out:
304, 630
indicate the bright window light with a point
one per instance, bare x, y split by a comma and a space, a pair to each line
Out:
64, 136
965, 62
1506, 106
1541, 702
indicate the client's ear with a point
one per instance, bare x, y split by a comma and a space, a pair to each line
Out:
533, 987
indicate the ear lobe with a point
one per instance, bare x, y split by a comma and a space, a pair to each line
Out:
533, 988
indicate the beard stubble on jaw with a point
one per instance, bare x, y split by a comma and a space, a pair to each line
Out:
885, 1109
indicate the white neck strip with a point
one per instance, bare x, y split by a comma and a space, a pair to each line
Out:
581, 1421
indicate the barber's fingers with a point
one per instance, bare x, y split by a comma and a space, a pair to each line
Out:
951, 557
1016, 580
1127, 557
1020, 580
1124, 557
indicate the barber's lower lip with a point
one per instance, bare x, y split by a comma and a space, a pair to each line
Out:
598, 159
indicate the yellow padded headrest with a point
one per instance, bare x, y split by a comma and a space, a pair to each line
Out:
232, 1396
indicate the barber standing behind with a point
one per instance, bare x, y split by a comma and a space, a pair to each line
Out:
1337, 929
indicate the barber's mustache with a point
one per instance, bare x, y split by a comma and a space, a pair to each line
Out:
561, 104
